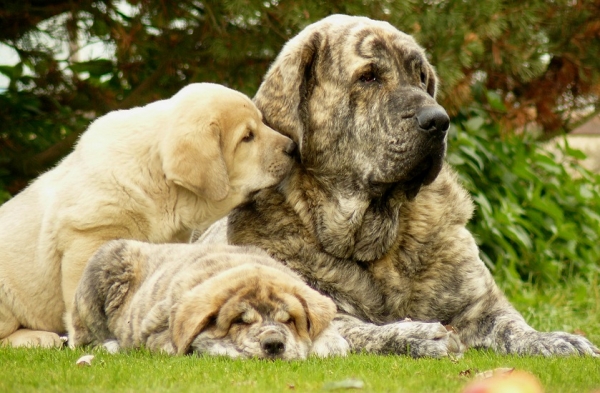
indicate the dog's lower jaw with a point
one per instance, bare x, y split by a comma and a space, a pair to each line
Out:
424, 173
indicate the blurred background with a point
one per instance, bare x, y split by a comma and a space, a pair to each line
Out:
520, 79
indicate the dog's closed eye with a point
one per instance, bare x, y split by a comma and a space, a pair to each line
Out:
286, 319
239, 320
247, 317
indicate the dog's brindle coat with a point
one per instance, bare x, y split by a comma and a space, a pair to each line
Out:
369, 214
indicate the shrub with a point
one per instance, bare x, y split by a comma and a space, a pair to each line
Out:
537, 212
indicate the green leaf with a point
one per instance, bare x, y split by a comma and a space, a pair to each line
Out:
495, 101
474, 123
484, 203
575, 153
95, 68
13, 72
548, 206
471, 153
548, 164
455, 160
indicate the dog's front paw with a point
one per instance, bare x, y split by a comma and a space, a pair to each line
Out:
554, 344
33, 338
417, 339
329, 343
422, 339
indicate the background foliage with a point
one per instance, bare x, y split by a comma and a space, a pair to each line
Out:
537, 215
511, 72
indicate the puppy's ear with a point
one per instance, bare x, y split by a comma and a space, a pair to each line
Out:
319, 309
192, 314
282, 97
192, 158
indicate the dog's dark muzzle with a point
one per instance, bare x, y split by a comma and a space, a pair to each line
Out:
417, 154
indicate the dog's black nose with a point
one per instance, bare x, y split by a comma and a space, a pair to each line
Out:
272, 346
290, 148
433, 119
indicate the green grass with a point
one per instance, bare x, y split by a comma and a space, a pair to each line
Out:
30, 370
23, 370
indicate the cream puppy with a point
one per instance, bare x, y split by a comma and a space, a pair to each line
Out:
152, 173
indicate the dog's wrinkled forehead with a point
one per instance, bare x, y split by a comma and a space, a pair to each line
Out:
263, 298
353, 42
366, 34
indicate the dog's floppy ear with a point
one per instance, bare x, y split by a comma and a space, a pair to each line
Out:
319, 309
282, 95
193, 158
193, 313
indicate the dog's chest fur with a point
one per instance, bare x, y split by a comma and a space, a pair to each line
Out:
414, 279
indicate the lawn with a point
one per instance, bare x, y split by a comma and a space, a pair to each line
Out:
574, 308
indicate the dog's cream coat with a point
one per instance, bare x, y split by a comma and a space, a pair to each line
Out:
215, 300
152, 173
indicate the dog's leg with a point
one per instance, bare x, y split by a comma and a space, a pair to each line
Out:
514, 336
490, 321
13, 336
416, 339
8, 322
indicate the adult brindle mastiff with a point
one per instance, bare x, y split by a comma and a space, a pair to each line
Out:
370, 215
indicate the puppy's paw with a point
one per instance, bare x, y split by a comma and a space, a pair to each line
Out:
554, 344
423, 339
329, 343
33, 338
111, 346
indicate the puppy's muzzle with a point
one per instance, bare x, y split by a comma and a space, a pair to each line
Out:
272, 343
272, 346
433, 120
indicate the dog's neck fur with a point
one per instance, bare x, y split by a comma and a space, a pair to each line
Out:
351, 224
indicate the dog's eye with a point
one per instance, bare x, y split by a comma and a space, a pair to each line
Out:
249, 137
423, 79
368, 77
